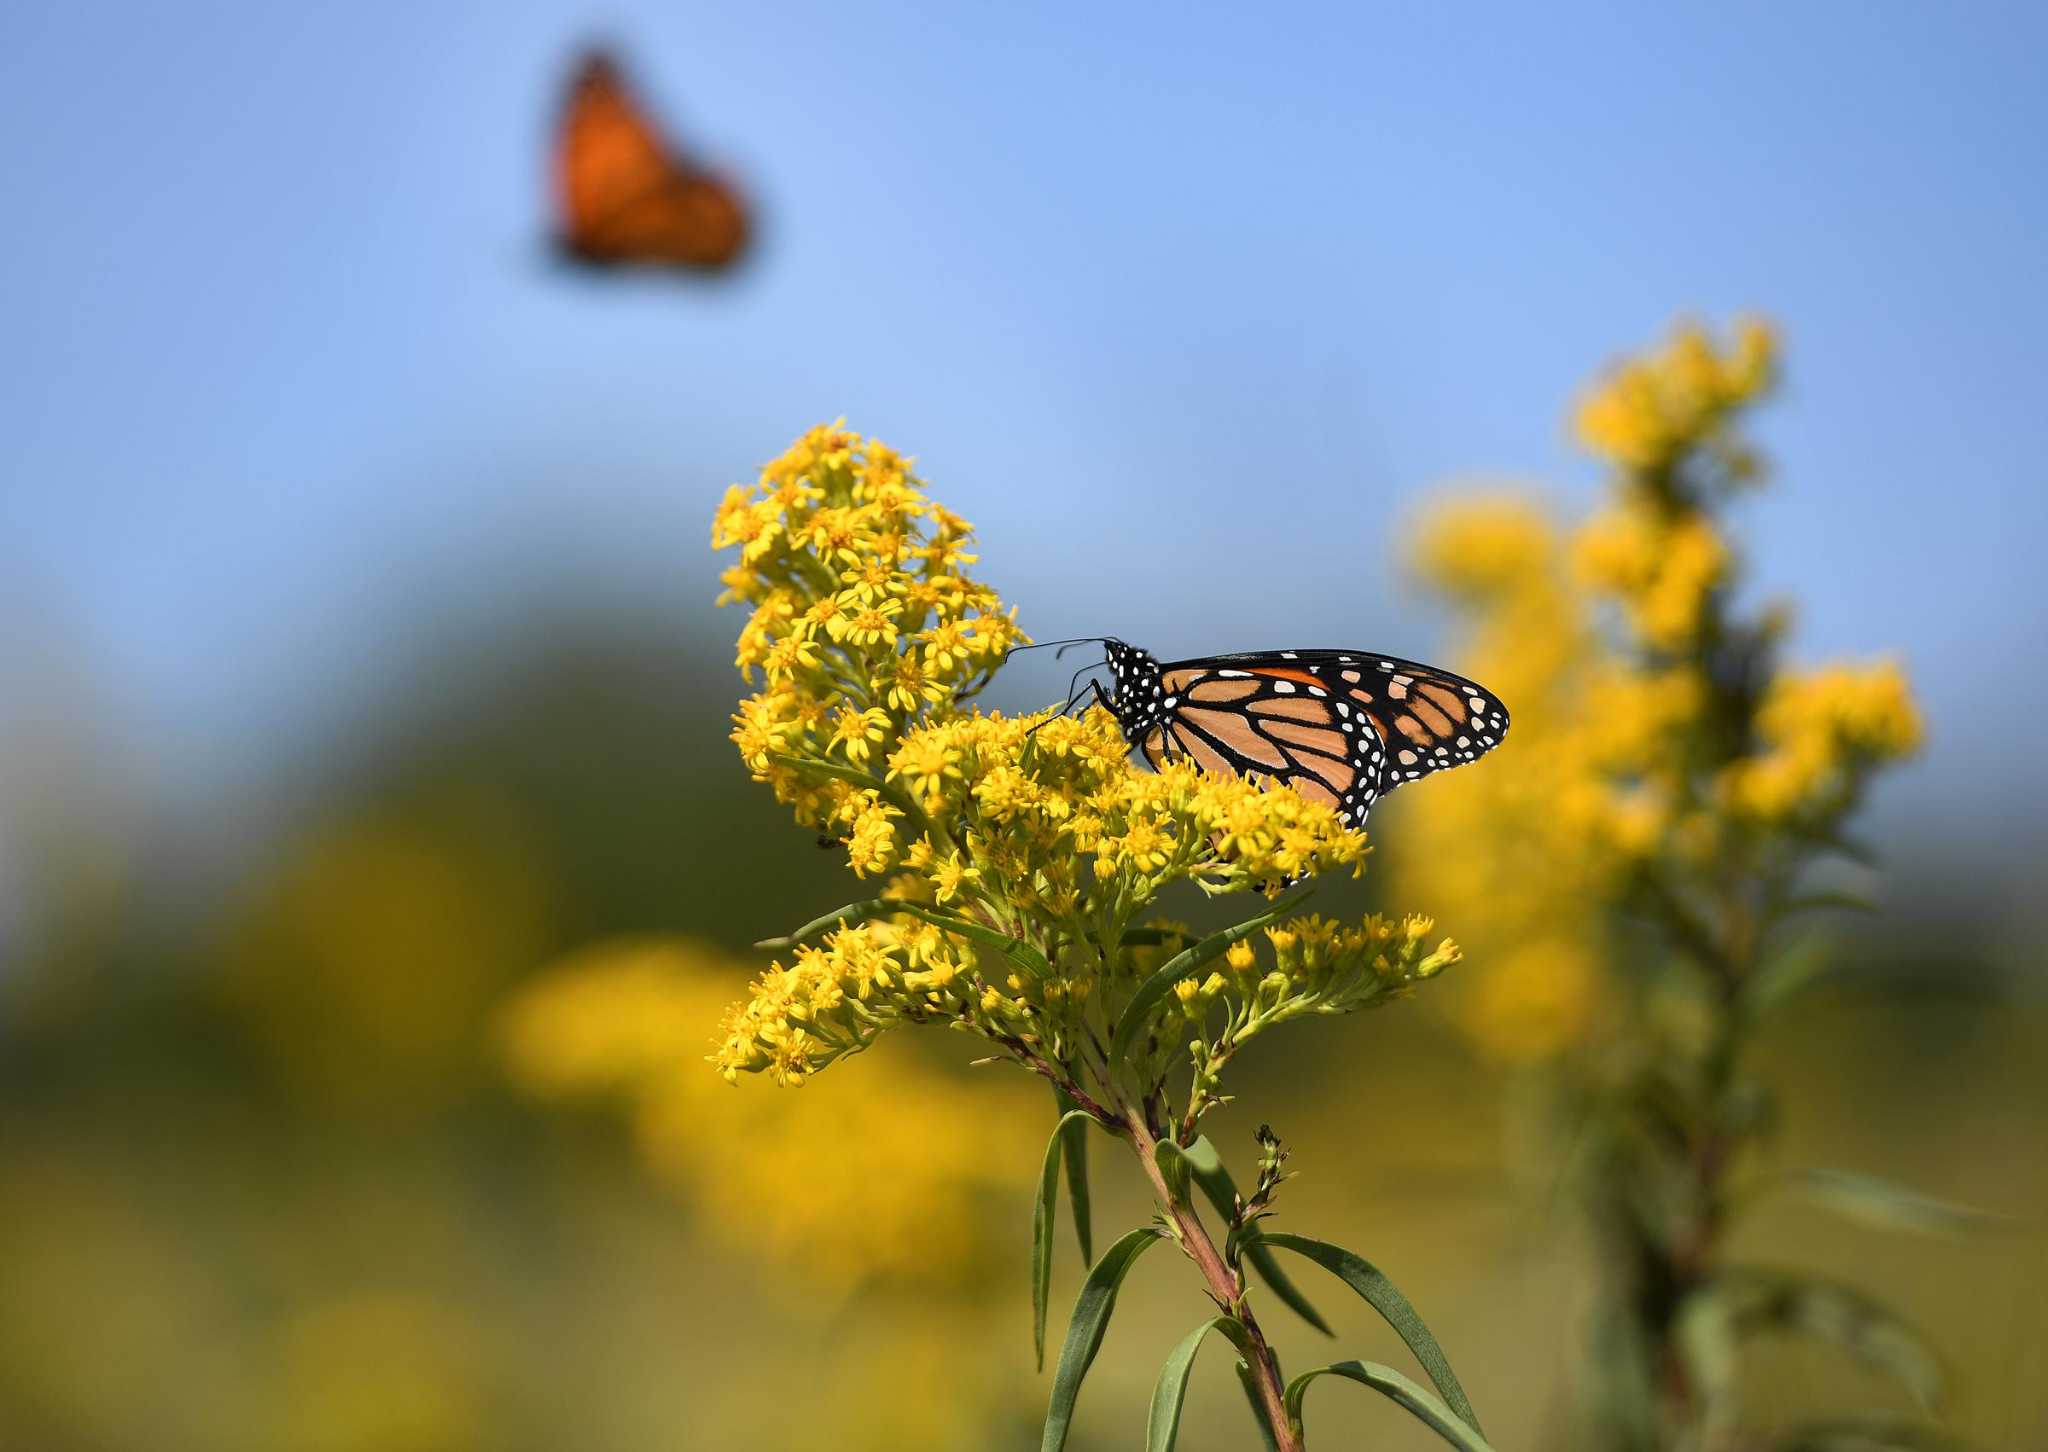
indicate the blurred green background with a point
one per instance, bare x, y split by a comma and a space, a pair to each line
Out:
357, 663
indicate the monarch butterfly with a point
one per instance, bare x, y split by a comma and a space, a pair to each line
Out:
1342, 727
624, 196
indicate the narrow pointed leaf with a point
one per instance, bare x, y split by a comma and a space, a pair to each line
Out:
1770, 1300
1074, 1143
1187, 961
1872, 1433
1815, 902
1706, 1343
1799, 967
1162, 1420
1875, 1202
1015, 949
1251, 1395
1173, 1169
1382, 1295
1152, 937
853, 912
1042, 1215
1389, 1383
1086, 1329
1206, 1167
867, 781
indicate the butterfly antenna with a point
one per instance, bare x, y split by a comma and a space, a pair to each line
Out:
1063, 645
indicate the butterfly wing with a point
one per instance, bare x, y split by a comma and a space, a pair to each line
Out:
1341, 727
623, 197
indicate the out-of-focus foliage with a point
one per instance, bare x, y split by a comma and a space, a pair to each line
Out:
363, 963
263, 1183
891, 1173
1673, 799
235, 1213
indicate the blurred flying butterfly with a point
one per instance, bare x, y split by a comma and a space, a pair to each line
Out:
624, 196
1342, 727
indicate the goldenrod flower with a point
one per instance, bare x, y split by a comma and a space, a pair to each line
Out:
949, 876
869, 636
1649, 410
1618, 768
926, 762
1823, 733
855, 732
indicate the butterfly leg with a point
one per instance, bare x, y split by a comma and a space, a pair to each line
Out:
1080, 698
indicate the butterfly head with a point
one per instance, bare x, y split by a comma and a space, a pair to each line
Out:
1136, 694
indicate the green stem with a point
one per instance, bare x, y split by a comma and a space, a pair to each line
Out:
1226, 1288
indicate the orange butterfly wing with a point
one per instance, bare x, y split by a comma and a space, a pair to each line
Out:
1342, 728
624, 197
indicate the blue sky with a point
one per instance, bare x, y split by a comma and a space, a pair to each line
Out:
1146, 289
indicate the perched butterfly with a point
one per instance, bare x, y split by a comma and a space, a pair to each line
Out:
624, 196
1340, 727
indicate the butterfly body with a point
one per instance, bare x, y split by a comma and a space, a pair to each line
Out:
1343, 727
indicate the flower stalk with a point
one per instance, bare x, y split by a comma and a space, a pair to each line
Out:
1023, 865
1224, 1280
1682, 786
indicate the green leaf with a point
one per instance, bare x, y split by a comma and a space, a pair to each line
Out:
1873, 1433
1086, 1329
1768, 1300
1173, 1168
1041, 1231
1380, 1293
1015, 949
865, 780
1799, 967
1841, 843
1706, 1343
1251, 1395
1075, 1139
1151, 937
1816, 902
1187, 961
1019, 952
1162, 1420
853, 912
1391, 1384
1871, 1201
1207, 1168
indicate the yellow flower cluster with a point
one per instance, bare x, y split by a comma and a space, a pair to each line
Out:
1321, 966
1620, 768
1822, 730
1040, 829
1653, 408
863, 622
1660, 565
834, 999
626, 1021
1500, 848
1018, 855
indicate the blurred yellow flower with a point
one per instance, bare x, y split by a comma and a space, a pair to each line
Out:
1651, 408
387, 1369
362, 962
883, 1194
1613, 641
1821, 730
